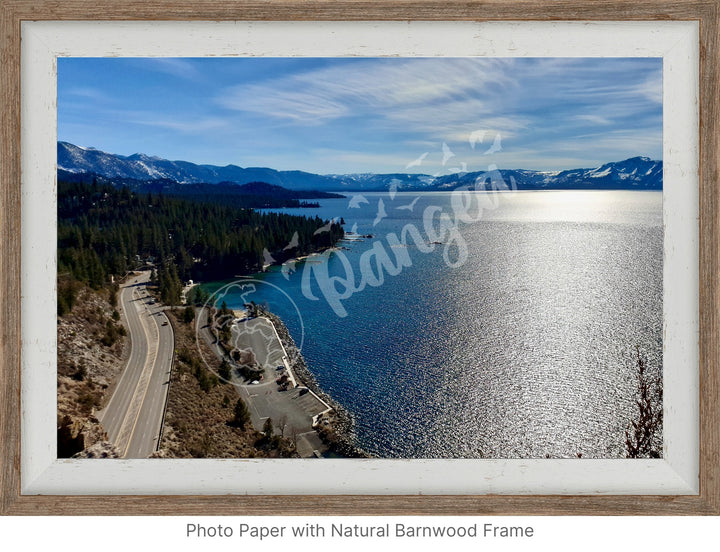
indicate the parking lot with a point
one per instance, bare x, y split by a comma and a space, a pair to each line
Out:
291, 410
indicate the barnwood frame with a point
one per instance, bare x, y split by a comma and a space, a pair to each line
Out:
705, 12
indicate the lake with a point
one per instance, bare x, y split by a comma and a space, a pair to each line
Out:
512, 337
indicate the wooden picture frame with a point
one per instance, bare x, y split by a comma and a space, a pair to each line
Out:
705, 12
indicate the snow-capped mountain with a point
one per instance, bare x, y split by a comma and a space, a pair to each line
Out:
637, 173
371, 181
76, 159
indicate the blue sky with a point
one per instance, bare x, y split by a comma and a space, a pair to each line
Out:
382, 115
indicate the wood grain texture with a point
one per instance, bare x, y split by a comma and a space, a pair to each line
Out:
357, 10
360, 505
707, 12
9, 258
710, 259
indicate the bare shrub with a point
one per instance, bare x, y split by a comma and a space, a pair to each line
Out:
643, 435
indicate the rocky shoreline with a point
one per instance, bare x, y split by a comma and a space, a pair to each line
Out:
338, 434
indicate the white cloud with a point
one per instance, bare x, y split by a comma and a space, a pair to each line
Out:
606, 145
382, 113
174, 66
306, 107
88, 92
652, 88
593, 119
398, 91
188, 126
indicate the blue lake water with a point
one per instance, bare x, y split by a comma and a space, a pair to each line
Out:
512, 338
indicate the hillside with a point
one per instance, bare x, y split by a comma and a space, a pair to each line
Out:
253, 195
198, 422
92, 351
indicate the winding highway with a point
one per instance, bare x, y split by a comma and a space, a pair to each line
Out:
134, 415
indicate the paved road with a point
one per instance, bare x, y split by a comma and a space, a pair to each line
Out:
133, 416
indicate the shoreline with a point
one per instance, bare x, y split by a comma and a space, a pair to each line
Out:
338, 434
335, 428
299, 259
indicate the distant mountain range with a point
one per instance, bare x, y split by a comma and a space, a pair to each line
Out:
76, 159
637, 173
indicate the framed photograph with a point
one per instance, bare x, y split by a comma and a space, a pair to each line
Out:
379, 257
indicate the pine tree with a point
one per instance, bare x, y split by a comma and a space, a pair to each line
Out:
268, 429
224, 371
242, 414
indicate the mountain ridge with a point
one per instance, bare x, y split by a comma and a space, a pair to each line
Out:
636, 173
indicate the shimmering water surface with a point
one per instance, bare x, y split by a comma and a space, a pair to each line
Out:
522, 350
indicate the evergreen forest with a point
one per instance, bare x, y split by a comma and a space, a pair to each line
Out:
106, 231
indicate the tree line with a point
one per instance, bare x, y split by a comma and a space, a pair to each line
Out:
103, 231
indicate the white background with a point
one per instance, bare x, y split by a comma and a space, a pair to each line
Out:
141, 534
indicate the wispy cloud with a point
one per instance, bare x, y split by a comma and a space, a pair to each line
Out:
188, 126
652, 88
176, 67
394, 90
592, 119
88, 92
366, 114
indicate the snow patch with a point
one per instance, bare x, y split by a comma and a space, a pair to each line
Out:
601, 173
